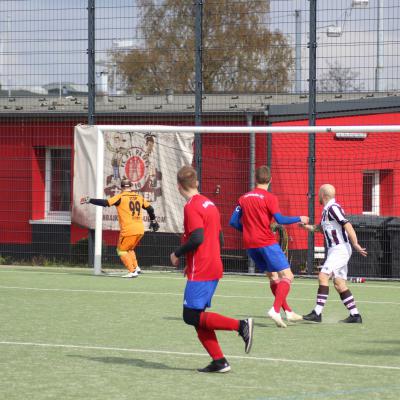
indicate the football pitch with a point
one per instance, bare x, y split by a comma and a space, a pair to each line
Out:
66, 334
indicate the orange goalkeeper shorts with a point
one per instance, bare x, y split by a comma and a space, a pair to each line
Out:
126, 243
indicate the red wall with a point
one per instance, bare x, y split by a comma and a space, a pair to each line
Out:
341, 163
22, 167
225, 166
15, 192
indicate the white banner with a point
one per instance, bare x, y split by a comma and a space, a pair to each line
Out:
150, 160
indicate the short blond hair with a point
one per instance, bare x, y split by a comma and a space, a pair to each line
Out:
263, 175
327, 190
187, 177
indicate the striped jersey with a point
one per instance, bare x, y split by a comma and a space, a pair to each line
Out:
332, 222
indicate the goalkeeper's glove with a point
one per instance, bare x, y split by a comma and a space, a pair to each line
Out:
154, 225
85, 200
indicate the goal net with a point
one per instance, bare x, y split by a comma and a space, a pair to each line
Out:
362, 162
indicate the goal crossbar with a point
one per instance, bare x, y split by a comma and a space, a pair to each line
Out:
252, 129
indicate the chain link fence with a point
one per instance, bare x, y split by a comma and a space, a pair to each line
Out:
178, 62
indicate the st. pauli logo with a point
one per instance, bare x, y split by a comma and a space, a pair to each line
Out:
135, 167
132, 155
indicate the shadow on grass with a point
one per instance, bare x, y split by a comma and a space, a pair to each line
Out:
271, 324
256, 323
52, 270
380, 348
173, 319
134, 362
260, 325
391, 341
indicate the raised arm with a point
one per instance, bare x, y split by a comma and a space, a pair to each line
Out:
96, 202
284, 220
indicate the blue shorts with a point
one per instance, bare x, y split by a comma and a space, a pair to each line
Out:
269, 258
198, 294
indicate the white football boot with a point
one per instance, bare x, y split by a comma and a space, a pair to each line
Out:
133, 274
291, 316
276, 317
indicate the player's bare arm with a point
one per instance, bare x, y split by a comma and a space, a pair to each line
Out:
311, 228
353, 239
174, 259
304, 219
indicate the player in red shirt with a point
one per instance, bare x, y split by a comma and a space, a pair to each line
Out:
202, 242
253, 216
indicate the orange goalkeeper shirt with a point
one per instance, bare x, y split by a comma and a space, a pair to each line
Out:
129, 207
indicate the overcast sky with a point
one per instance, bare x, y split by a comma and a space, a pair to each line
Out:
45, 41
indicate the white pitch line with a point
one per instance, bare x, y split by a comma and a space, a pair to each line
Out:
180, 353
177, 294
92, 291
167, 275
263, 281
30, 272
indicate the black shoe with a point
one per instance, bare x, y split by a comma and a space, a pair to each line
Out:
313, 317
220, 365
353, 319
246, 332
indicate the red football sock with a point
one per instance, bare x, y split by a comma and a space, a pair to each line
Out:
273, 285
210, 342
286, 306
213, 321
282, 291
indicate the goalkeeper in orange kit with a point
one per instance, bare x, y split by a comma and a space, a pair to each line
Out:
129, 206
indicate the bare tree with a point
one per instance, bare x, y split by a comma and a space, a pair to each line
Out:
240, 53
339, 79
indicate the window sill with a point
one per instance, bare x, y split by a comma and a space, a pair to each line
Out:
53, 219
370, 213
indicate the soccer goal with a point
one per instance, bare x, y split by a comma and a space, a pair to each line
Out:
362, 162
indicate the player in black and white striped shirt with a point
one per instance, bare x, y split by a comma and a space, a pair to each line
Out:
338, 233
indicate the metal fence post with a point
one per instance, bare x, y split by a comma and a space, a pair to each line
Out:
91, 97
252, 171
379, 47
269, 154
198, 84
312, 88
298, 52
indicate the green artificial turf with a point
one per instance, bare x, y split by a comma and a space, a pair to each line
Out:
66, 334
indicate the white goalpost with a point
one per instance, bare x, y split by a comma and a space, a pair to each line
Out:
341, 132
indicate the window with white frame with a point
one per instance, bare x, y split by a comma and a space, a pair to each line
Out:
58, 184
371, 192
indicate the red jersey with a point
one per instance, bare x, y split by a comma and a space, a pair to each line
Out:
203, 264
258, 207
